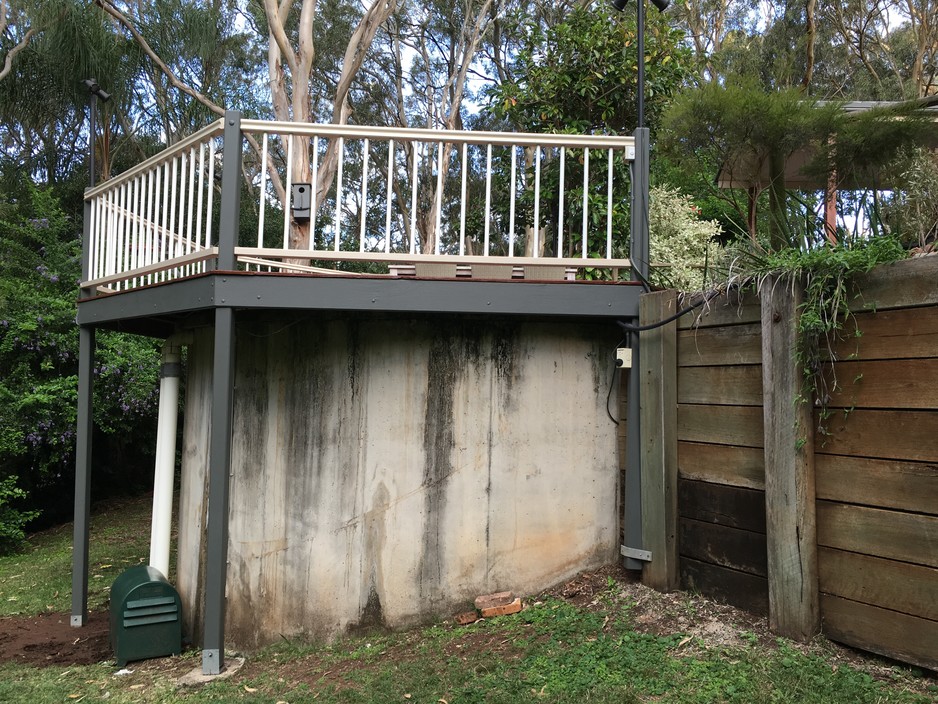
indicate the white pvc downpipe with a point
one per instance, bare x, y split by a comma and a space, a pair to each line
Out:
162, 521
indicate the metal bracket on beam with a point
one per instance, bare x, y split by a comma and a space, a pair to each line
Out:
635, 553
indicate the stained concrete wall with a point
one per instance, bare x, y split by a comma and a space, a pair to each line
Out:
386, 471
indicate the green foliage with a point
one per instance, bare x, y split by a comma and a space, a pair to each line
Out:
12, 520
39, 260
737, 128
746, 135
827, 275
579, 76
912, 212
680, 237
38, 578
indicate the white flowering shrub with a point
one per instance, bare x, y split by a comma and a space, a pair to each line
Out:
680, 239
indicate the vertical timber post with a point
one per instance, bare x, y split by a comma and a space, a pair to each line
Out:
86, 339
213, 647
638, 253
791, 529
659, 440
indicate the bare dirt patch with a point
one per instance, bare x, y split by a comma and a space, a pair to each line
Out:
49, 640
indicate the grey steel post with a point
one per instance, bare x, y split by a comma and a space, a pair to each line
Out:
86, 335
633, 462
213, 648
638, 249
86, 339
230, 215
638, 253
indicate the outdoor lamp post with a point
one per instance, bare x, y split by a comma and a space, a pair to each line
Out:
633, 549
96, 92
662, 5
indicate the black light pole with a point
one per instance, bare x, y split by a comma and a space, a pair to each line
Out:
84, 425
96, 92
633, 550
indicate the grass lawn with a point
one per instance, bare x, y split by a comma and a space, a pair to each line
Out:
617, 642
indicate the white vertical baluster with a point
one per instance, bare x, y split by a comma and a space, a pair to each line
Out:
189, 228
135, 231
511, 208
413, 199
537, 200
586, 183
157, 210
387, 199
262, 195
209, 219
151, 223
314, 205
107, 216
173, 202
104, 224
288, 195
438, 233
189, 225
609, 209
338, 196
364, 203
111, 232
93, 239
164, 231
488, 197
462, 203
199, 209
120, 265
563, 161
178, 247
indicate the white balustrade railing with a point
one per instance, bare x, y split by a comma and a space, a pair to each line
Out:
406, 196
380, 200
156, 221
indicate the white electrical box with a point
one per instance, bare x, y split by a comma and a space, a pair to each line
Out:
624, 357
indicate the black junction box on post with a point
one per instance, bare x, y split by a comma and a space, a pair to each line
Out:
301, 201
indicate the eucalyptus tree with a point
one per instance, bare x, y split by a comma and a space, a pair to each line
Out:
894, 44
16, 31
42, 101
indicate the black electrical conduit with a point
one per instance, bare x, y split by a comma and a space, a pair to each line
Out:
629, 328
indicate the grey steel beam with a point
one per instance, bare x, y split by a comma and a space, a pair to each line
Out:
230, 210
387, 295
157, 301
378, 294
213, 646
79, 615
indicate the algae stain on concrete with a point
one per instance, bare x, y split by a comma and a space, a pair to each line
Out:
452, 351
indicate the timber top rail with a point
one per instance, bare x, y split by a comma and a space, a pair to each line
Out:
254, 195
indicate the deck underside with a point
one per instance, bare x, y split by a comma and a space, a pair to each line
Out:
156, 310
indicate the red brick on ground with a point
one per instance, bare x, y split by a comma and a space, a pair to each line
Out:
466, 617
488, 601
503, 610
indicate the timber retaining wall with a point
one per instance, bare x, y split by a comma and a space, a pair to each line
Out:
871, 481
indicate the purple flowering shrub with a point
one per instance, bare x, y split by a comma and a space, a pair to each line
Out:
39, 272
